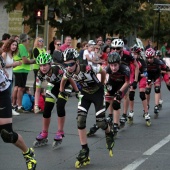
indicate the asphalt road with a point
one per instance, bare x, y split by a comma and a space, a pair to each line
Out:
136, 147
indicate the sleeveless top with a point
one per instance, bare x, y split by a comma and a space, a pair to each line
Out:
9, 60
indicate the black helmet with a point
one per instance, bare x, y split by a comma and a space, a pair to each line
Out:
158, 53
69, 54
113, 58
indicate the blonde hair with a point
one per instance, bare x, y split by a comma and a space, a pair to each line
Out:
36, 42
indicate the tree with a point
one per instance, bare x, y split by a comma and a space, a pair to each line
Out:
81, 18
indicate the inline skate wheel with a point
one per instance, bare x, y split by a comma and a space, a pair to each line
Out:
156, 115
56, 144
148, 123
79, 164
110, 153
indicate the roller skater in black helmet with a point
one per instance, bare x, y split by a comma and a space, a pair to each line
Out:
92, 91
53, 75
6, 130
117, 86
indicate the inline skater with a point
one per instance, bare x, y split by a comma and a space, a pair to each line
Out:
92, 91
154, 67
142, 79
6, 130
53, 75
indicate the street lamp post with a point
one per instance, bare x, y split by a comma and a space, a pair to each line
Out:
159, 8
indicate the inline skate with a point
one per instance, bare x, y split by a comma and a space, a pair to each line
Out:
123, 120
58, 139
30, 160
156, 111
109, 120
115, 129
93, 130
83, 158
41, 139
110, 142
147, 118
130, 117
160, 103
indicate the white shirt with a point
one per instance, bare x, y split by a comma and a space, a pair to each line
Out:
9, 61
90, 54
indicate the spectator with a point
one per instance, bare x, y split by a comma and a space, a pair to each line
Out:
15, 37
21, 73
84, 47
57, 52
5, 37
27, 100
78, 47
149, 45
104, 57
164, 50
107, 43
51, 45
125, 45
37, 49
67, 44
10, 48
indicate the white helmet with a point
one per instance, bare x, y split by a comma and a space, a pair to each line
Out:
91, 42
117, 43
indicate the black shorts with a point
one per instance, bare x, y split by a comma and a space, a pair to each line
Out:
5, 104
20, 79
96, 98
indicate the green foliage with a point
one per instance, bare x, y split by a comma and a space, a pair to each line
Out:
81, 18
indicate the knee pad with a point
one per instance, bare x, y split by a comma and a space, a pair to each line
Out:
61, 107
148, 91
157, 89
101, 121
48, 109
116, 105
168, 87
142, 95
81, 120
131, 95
7, 134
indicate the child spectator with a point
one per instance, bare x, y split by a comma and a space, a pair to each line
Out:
41, 102
27, 100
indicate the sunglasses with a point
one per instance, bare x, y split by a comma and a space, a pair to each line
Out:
70, 64
40, 41
58, 44
117, 48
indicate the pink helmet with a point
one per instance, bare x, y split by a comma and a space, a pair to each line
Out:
150, 52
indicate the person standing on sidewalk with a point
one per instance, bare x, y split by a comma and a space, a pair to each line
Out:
21, 73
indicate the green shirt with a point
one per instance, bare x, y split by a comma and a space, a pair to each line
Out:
163, 51
22, 52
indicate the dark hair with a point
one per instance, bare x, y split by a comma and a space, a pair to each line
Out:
105, 48
26, 89
108, 39
5, 36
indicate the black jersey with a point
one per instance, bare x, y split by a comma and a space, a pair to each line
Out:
120, 76
87, 79
142, 65
54, 78
156, 66
126, 57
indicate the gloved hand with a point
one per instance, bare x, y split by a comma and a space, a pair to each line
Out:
134, 85
36, 109
118, 95
63, 94
77, 94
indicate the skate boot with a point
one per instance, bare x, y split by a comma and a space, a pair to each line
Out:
109, 120
41, 139
123, 120
130, 117
58, 139
115, 129
30, 160
147, 118
156, 111
110, 142
83, 158
160, 103
93, 130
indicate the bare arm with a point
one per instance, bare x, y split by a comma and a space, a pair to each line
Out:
25, 60
73, 83
62, 84
103, 76
136, 70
